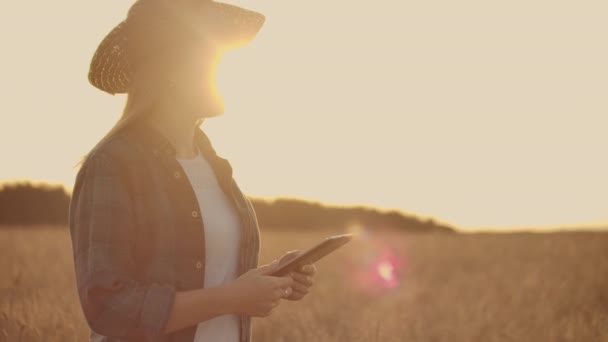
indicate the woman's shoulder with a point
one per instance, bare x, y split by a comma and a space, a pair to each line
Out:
114, 153
120, 147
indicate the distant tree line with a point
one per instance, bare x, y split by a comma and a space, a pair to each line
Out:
23, 203
294, 213
28, 204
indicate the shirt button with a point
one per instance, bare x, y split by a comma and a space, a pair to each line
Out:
199, 265
194, 213
177, 174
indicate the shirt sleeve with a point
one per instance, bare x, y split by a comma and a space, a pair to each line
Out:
114, 302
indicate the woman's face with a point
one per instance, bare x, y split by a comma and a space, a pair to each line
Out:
194, 88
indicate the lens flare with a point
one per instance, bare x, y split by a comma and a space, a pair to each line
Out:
386, 271
378, 265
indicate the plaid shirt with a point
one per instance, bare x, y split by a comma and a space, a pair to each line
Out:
138, 236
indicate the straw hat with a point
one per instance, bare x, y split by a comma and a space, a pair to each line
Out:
167, 28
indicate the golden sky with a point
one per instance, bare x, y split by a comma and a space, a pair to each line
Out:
481, 113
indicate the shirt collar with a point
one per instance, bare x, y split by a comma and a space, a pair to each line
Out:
162, 147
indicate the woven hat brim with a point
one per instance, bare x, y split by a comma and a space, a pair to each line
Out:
229, 26
110, 70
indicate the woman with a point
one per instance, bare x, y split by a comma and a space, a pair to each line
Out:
165, 244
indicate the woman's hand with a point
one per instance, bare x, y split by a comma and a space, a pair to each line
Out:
257, 294
303, 278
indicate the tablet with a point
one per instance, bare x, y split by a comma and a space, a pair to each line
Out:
315, 253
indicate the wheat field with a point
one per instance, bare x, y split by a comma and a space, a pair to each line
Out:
381, 287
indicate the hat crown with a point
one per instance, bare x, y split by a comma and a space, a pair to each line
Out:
168, 28
158, 27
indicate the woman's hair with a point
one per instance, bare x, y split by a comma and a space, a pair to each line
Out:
145, 90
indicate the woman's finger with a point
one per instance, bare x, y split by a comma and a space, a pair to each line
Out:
309, 269
296, 295
297, 287
302, 278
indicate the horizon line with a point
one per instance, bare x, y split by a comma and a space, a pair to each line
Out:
580, 226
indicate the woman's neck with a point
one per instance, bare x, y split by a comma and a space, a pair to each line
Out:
179, 132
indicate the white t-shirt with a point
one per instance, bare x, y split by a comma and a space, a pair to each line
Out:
222, 233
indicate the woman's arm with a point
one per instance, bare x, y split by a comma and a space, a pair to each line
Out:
101, 220
253, 294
